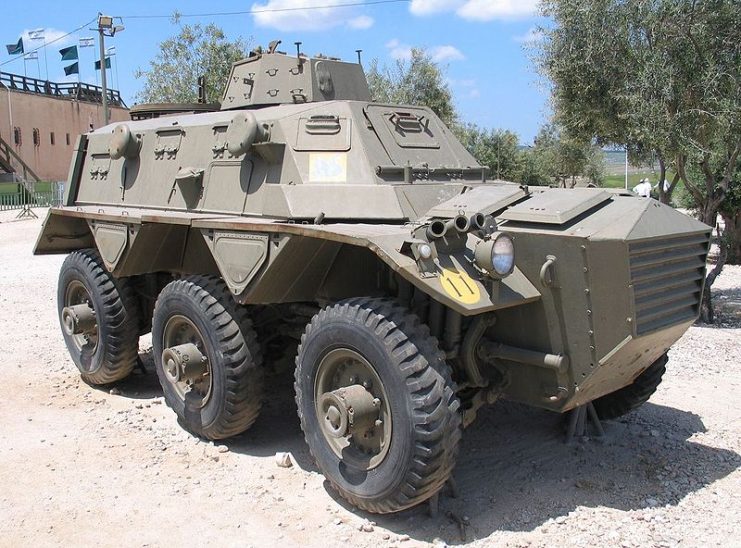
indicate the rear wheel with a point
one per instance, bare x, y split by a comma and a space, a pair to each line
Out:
620, 402
377, 404
99, 316
207, 357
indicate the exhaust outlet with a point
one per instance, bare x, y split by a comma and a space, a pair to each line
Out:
461, 223
435, 230
478, 221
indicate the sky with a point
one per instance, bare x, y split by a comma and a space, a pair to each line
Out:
481, 44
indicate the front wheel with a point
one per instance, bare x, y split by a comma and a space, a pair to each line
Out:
620, 402
377, 404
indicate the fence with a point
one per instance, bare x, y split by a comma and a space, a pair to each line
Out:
69, 90
25, 198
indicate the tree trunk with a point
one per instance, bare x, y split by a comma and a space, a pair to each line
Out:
663, 197
707, 213
707, 312
732, 236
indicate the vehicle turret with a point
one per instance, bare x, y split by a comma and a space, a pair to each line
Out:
273, 78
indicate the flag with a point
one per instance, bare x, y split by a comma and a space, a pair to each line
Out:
15, 49
31, 56
107, 63
69, 54
87, 42
74, 68
37, 34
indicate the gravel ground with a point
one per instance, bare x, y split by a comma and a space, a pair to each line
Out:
85, 466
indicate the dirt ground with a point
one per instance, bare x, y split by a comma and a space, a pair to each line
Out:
85, 466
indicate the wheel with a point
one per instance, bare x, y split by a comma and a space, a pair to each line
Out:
99, 317
207, 357
620, 402
377, 404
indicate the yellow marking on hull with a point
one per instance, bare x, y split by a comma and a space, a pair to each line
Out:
460, 286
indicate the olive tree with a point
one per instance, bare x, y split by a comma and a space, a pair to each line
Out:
656, 75
498, 149
196, 50
417, 81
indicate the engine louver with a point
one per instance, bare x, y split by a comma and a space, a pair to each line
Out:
667, 276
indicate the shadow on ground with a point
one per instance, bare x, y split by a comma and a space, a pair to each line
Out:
514, 471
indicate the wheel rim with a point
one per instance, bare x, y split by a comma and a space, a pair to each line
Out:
179, 331
352, 409
77, 294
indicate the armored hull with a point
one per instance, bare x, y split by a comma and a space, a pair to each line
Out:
417, 288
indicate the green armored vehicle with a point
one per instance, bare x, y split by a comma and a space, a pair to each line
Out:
415, 288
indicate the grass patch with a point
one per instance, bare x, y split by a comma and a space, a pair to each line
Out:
15, 188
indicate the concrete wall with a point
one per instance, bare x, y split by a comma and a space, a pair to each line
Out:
65, 118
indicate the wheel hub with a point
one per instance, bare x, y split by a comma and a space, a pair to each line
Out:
78, 319
184, 363
352, 409
349, 410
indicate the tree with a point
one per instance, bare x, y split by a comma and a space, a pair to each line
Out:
418, 81
195, 51
498, 149
659, 75
563, 158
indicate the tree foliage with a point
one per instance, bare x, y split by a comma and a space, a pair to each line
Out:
564, 158
417, 81
196, 50
498, 149
658, 75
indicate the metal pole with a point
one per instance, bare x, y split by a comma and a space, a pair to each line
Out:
103, 76
626, 167
46, 60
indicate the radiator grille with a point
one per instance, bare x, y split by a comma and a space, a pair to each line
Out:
667, 276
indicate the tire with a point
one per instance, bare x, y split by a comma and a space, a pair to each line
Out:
625, 400
235, 380
425, 426
108, 352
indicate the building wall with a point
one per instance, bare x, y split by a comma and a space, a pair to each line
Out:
64, 118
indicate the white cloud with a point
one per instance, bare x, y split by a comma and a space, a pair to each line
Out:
487, 10
288, 15
429, 7
441, 54
403, 52
361, 22
532, 36
467, 87
399, 51
477, 10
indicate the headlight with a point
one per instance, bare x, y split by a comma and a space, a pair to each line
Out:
497, 255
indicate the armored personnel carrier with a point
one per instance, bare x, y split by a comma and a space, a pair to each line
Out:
415, 288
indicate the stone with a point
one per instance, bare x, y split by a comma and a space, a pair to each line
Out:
283, 460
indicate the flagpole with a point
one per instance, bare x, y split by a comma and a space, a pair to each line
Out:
46, 60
